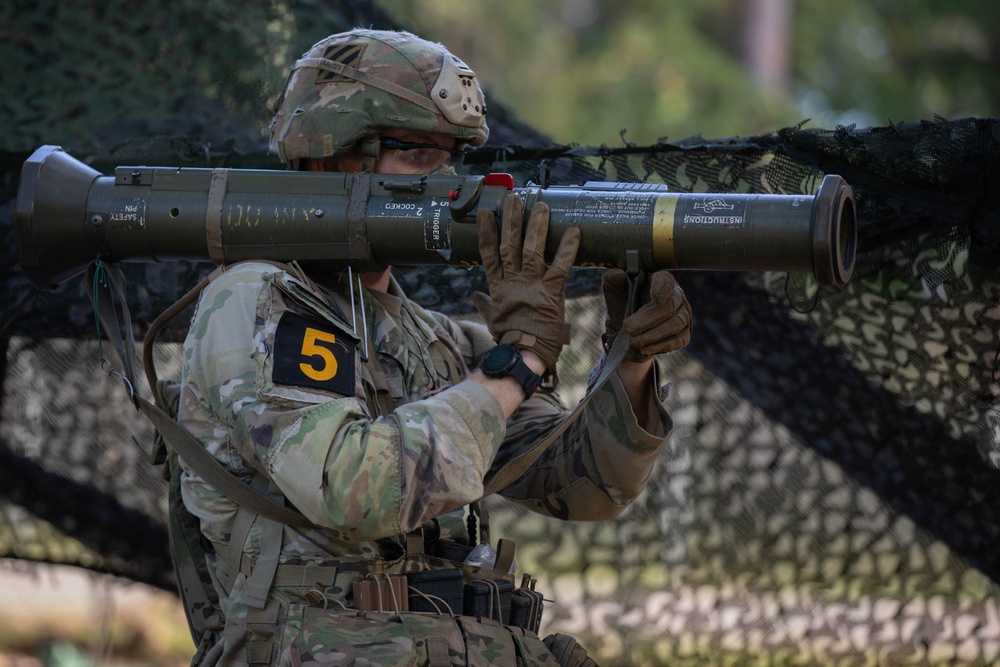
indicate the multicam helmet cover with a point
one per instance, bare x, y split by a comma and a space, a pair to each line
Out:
354, 85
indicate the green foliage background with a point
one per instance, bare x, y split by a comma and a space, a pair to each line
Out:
579, 70
583, 70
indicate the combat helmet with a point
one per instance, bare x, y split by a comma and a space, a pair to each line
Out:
352, 86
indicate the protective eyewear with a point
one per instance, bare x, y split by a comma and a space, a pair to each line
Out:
426, 157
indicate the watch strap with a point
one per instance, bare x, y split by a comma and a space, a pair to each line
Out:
527, 378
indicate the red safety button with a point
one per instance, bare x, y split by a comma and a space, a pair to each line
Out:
503, 180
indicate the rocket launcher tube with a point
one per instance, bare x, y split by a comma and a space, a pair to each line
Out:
67, 214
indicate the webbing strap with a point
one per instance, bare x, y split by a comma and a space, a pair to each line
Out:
208, 467
520, 464
213, 214
414, 541
505, 555
305, 576
266, 564
260, 652
199, 605
438, 654
234, 547
370, 80
105, 284
357, 216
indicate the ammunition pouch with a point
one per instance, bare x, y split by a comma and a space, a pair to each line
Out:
466, 617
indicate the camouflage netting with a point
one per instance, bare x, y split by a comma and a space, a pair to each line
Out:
826, 497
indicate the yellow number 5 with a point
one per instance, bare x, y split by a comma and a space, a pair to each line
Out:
311, 347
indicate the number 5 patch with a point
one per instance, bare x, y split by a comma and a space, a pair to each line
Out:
313, 353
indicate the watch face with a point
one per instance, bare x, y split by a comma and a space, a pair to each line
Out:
498, 359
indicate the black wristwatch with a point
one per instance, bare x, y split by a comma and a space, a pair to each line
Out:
505, 361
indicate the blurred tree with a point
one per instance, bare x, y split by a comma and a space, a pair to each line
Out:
583, 70
898, 60
580, 70
767, 42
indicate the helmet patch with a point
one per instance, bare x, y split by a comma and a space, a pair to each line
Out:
345, 54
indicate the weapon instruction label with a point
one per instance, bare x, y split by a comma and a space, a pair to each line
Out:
630, 208
714, 212
432, 213
437, 227
127, 213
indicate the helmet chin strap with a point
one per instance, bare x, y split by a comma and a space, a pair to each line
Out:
369, 153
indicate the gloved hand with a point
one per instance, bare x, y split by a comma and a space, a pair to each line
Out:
526, 306
661, 324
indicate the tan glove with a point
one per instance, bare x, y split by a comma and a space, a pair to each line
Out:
662, 323
526, 306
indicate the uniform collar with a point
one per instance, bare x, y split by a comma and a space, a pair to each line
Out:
398, 311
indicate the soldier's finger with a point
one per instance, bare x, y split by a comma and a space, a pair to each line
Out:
614, 283
510, 243
562, 263
534, 240
486, 228
662, 286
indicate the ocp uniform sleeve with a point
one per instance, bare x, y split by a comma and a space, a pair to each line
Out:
598, 466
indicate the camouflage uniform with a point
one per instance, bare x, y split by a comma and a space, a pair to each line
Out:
366, 477
373, 452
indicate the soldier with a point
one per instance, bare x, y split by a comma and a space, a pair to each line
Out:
378, 420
